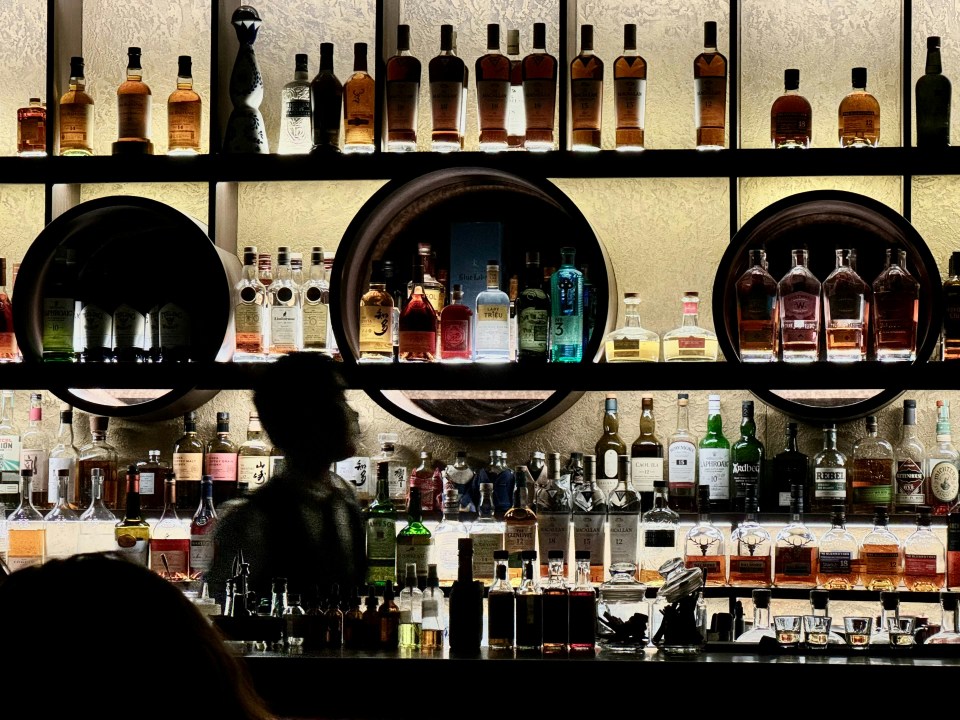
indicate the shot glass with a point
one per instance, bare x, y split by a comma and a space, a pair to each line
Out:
816, 629
900, 630
788, 629
858, 629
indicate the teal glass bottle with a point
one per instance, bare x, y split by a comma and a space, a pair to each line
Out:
566, 301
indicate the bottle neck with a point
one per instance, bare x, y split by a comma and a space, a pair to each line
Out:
691, 313
631, 315
683, 417
934, 67
534, 277
185, 83
830, 440
761, 618
660, 499
791, 445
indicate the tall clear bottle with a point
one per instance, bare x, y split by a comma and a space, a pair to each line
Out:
411, 610
623, 517
445, 536
487, 533
295, 131
283, 297
97, 522
64, 456
491, 320
9, 453
682, 460
660, 526
250, 311
551, 503
170, 537
35, 444
566, 309
589, 512
62, 523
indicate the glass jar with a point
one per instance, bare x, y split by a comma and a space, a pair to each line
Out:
622, 619
679, 631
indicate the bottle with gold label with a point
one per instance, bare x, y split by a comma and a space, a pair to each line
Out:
76, 113
188, 464
183, 112
520, 525
376, 320
134, 110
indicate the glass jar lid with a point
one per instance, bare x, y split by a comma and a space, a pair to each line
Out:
679, 581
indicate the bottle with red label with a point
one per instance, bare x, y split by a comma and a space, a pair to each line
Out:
170, 538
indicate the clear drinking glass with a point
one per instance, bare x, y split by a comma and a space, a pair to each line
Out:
788, 629
858, 629
816, 629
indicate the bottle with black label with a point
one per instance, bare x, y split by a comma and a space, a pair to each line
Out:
747, 459
790, 467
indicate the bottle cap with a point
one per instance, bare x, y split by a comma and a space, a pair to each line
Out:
527, 554
933, 43
501, 554
819, 599
710, 33
586, 38
581, 554
630, 36
663, 484
99, 423
761, 598
555, 554
403, 37
859, 77
493, 36
791, 79
890, 599
513, 41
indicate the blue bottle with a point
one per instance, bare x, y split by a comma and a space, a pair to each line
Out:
566, 320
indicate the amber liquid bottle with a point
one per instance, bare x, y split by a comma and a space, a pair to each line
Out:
859, 114
493, 90
710, 89
539, 72
630, 88
183, 113
403, 94
791, 119
446, 73
359, 98
950, 342
586, 94
134, 110
32, 129
76, 114
326, 105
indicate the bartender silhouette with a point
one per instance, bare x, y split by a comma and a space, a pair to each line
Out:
304, 523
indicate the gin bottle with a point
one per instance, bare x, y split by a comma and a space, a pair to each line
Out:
757, 311
896, 304
796, 549
690, 342
566, 309
35, 449
250, 310
798, 296
846, 311
9, 453
283, 297
295, 130
491, 320
589, 514
533, 315
315, 293
941, 465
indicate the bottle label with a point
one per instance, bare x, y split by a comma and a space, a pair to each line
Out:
54, 465
836, 562
610, 461
800, 316
97, 328
588, 535
284, 321
10, 454
315, 325
586, 99
828, 484
358, 113
381, 538
177, 554
553, 531
25, 547
397, 482
402, 97
711, 107
519, 537
484, 545
623, 538
222, 466
858, 122
880, 563
659, 538
715, 472
133, 115
644, 471
748, 566
76, 126
492, 104
414, 549
248, 319
944, 481
445, 99
356, 472
682, 464
202, 550
133, 544
630, 101
540, 100
174, 327
183, 124
252, 471
791, 124
909, 479
455, 336
128, 327
919, 564
795, 561
40, 460
493, 328
745, 474
375, 336
148, 483
188, 466
567, 330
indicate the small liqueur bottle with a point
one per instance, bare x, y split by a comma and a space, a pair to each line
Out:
556, 607
62, 523
881, 554
872, 475
411, 610
533, 314
859, 114
253, 458
376, 321
830, 466
152, 472
791, 119
609, 447
690, 341
586, 95
446, 74
529, 615
466, 605
909, 490
750, 562
630, 92
456, 329
487, 533
97, 523
326, 105
924, 556
520, 526
661, 530
941, 465
370, 638
933, 94
220, 461
710, 91
703, 546
566, 300
623, 517
25, 528
380, 521
682, 460
183, 112
8, 338
203, 524
889, 614
353, 624
539, 72
501, 603
132, 533
76, 113
493, 92
434, 614
491, 320
846, 311
403, 95
896, 304
32, 129
170, 538
188, 453
389, 615
953, 550
796, 549
798, 295
631, 342
359, 100
421, 478
419, 324
790, 466
250, 310
839, 563
646, 455
589, 513
283, 298
714, 459
582, 635
265, 268
296, 137
758, 312
516, 113
98, 453
315, 297
134, 111
415, 540
747, 459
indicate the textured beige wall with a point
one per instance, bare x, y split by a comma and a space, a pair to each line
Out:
23, 49
21, 219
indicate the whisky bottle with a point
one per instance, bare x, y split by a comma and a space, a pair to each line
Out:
9, 351
35, 446
646, 455
631, 342
203, 525
909, 488
516, 113
188, 464
466, 605
220, 461
796, 549
710, 91
380, 522
950, 337
501, 605
520, 526
933, 92
434, 613
556, 607
703, 545
791, 119
846, 311
492, 74
529, 607
295, 132
839, 563
747, 459
609, 447
98, 453
183, 112
76, 113
623, 517
491, 320
586, 95
533, 315
583, 608
682, 460
589, 513
953, 550
859, 114
630, 88
661, 529
924, 556
403, 95
941, 465
551, 503
376, 321
389, 616
539, 72
758, 316
132, 533
790, 467
714, 459
881, 562
896, 304
170, 538
25, 528
798, 296
134, 110
690, 342
446, 74
872, 476
398, 463
326, 105
152, 472
359, 100
283, 299
566, 297
415, 541
750, 563
315, 294
253, 458
32, 129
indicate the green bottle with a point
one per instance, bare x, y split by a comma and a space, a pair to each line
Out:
714, 460
380, 522
747, 460
414, 541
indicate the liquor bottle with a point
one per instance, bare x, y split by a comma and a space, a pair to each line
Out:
661, 529
9, 453
419, 324
460, 477
950, 337
64, 456
516, 113
689, 341
59, 309
134, 111
501, 602
539, 73
132, 532
456, 329
220, 461
380, 521
798, 294
750, 563
519, 525
403, 95
949, 633
551, 503
646, 455
203, 525
953, 550
889, 614
376, 330
941, 465
747, 459
589, 305
432, 288
623, 517
434, 627
183, 112
682, 461
533, 314
398, 463
933, 101
859, 114
97, 523
609, 447
896, 303
714, 459
791, 119
32, 129
631, 342
487, 534
76, 113
253, 458
796, 549
315, 298
421, 478
572, 477
820, 607
446, 74
25, 528
326, 105
35, 446
170, 538
389, 616
830, 485
630, 92
529, 607
846, 311
61, 524
415, 540
881, 561
761, 619
491, 320
250, 311
98, 453
295, 131
586, 95
556, 607
493, 91
583, 608
924, 556
152, 472
710, 91
445, 536
909, 488
466, 605
8, 338
188, 453
265, 269
703, 545
283, 299
790, 467
758, 323
358, 105
566, 309
839, 563
589, 513
463, 94
411, 610
872, 475
370, 619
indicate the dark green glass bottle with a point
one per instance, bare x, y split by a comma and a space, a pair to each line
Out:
414, 541
746, 460
714, 459
933, 101
380, 522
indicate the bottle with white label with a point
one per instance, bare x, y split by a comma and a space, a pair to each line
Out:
9, 454
491, 320
356, 472
188, 454
63, 456
253, 458
623, 515
943, 465
35, 447
551, 503
220, 462
714, 460
283, 297
202, 529
399, 472
609, 447
682, 461
316, 304
646, 453
589, 513
487, 534
25, 529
